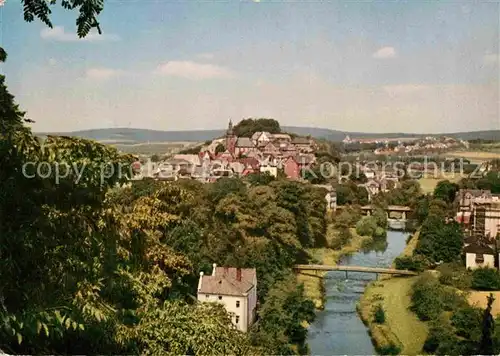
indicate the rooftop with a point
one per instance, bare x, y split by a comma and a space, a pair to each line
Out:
475, 248
228, 281
244, 142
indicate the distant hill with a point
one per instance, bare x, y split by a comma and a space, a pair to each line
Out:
134, 136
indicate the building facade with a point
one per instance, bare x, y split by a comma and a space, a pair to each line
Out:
236, 289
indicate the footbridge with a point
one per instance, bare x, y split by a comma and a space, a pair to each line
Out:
347, 269
403, 210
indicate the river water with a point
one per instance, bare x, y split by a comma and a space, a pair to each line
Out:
338, 330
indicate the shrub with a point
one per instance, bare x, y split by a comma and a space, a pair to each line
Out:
455, 274
366, 226
412, 263
380, 232
342, 238
380, 217
467, 322
439, 333
426, 298
485, 279
390, 349
347, 217
379, 314
451, 299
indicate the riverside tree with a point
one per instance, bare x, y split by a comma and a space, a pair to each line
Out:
87, 19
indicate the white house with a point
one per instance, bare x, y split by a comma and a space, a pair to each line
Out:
261, 137
479, 256
236, 289
273, 171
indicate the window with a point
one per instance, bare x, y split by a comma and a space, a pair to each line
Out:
220, 297
237, 304
479, 258
207, 296
237, 319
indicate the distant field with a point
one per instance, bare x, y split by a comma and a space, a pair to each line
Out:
428, 183
475, 156
155, 147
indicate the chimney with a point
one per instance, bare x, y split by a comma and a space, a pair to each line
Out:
201, 279
214, 267
238, 274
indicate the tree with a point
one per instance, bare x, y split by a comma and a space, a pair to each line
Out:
358, 178
486, 346
380, 216
260, 178
247, 127
178, 329
485, 279
440, 241
276, 320
490, 182
89, 10
220, 148
379, 314
446, 191
155, 158
367, 226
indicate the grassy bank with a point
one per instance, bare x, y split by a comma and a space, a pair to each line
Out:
313, 281
402, 329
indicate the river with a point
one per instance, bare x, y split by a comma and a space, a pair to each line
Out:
338, 330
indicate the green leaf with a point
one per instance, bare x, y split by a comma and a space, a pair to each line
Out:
46, 329
19, 339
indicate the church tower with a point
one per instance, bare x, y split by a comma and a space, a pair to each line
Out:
230, 138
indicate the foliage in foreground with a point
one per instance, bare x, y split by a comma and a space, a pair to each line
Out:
456, 328
90, 267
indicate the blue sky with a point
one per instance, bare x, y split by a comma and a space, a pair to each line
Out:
373, 66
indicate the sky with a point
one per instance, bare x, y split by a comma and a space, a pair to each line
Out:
365, 66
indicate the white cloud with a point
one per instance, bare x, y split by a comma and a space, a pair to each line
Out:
491, 58
102, 73
58, 34
385, 52
194, 71
52, 61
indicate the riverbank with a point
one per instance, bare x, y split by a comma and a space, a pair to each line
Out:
402, 332
314, 287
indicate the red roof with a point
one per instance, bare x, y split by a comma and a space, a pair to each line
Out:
249, 161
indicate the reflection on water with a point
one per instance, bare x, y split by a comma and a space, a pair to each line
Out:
378, 244
337, 329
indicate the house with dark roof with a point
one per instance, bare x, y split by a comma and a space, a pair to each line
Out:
236, 289
244, 145
303, 144
477, 255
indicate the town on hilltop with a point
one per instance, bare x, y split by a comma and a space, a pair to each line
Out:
238, 156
